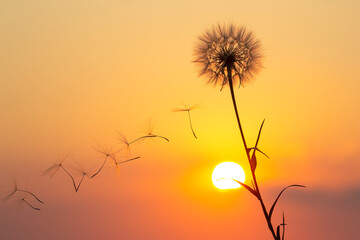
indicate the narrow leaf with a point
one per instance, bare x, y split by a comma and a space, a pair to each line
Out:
257, 140
248, 188
262, 152
278, 232
253, 163
273, 206
257, 149
283, 224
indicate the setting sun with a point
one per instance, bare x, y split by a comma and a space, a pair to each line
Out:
225, 172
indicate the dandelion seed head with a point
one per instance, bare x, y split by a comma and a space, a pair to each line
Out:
224, 49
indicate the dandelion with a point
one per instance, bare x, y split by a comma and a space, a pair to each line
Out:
230, 55
188, 109
227, 54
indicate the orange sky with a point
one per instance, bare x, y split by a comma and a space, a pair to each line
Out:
74, 73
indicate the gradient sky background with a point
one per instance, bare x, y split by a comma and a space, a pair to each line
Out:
73, 73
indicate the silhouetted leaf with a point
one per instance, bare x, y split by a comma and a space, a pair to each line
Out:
253, 163
283, 224
248, 188
257, 140
256, 149
253, 160
278, 232
273, 206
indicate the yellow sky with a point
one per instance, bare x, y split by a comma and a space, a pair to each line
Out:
73, 73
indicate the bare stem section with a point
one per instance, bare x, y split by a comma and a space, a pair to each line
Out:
253, 163
257, 189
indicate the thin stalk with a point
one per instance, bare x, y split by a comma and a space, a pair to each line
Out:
100, 167
191, 124
82, 178
73, 181
148, 136
132, 159
38, 209
25, 191
142, 137
248, 154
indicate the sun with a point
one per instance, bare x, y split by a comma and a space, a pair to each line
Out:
225, 172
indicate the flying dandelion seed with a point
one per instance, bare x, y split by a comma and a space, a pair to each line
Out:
52, 170
108, 153
59, 165
15, 189
149, 134
123, 140
21, 196
188, 109
80, 170
23, 199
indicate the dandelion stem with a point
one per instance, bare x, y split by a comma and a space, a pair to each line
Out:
229, 74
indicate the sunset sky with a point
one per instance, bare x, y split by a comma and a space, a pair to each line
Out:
74, 74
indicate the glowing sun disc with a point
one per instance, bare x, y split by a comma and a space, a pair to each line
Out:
224, 173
